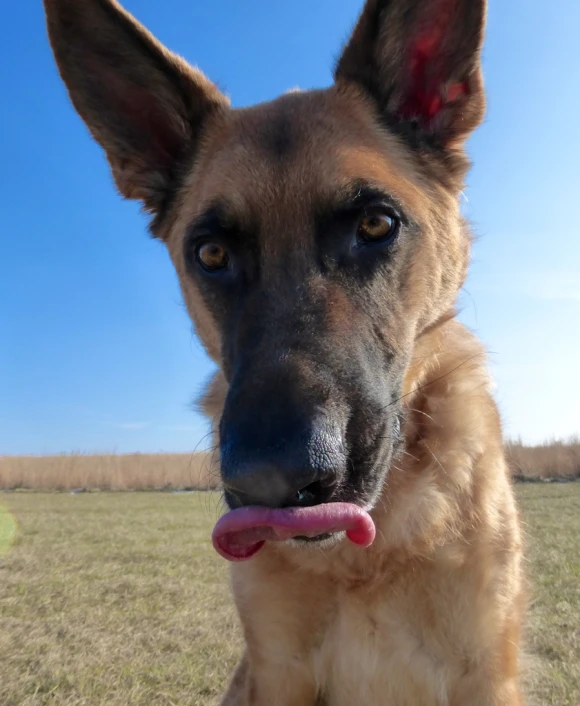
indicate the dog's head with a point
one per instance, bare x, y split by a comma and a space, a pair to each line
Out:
316, 237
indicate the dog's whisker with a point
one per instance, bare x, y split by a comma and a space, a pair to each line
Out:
435, 380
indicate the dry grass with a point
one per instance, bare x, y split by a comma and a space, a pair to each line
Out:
558, 459
551, 515
118, 599
555, 459
114, 600
109, 472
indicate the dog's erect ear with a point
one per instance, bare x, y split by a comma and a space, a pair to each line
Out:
144, 105
420, 61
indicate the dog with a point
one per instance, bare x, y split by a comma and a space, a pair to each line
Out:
374, 538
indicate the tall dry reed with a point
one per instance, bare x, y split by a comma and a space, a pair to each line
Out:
109, 472
555, 459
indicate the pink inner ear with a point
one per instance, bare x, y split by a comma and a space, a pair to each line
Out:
152, 124
429, 90
144, 115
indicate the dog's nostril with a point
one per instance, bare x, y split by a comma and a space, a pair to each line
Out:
313, 494
304, 497
300, 496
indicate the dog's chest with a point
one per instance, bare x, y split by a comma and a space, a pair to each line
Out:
373, 654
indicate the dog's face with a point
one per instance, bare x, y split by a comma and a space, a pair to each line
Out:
315, 237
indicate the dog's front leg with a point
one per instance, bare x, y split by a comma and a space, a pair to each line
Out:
283, 614
238, 690
268, 686
487, 690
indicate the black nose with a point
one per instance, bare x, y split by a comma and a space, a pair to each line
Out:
280, 465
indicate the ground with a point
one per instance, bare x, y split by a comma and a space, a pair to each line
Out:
117, 599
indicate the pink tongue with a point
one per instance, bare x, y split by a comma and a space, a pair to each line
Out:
241, 533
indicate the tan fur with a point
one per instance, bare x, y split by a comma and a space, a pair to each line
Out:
430, 614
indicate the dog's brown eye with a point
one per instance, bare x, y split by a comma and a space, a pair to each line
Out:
212, 257
376, 226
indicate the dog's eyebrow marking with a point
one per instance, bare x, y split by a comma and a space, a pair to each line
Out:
215, 219
359, 194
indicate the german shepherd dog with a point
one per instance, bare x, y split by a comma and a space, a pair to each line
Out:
372, 529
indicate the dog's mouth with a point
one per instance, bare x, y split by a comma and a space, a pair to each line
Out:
241, 533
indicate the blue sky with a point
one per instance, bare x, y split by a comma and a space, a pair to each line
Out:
96, 350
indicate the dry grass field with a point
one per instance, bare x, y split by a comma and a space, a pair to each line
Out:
171, 471
556, 459
117, 599
114, 599
108, 472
